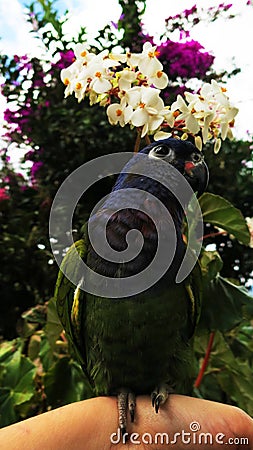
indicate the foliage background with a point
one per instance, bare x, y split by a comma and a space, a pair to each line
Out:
37, 371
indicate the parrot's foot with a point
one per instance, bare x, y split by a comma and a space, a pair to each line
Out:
126, 402
160, 395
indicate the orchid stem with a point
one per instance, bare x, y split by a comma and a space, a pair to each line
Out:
138, 141
147, 139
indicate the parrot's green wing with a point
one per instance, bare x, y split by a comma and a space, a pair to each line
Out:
70, 299
193, 287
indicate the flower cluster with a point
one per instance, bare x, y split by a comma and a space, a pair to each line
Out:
66, 58
136, 86
206, 115
184, 59
129, 85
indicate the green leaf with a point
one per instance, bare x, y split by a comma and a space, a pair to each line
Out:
65, 383
7, 411
221, 213
225, 305
234, 376
17, 386
211, 264
46, 354
227, 378
19, 377
7, 349
37, 315
34, 347
53, 326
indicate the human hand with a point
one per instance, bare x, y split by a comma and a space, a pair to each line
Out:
92, 425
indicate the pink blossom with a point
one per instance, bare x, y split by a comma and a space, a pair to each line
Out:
4, 194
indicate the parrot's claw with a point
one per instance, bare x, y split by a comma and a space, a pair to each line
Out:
160, 395
131, 405
126, 401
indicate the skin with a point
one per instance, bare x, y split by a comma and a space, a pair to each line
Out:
88, 425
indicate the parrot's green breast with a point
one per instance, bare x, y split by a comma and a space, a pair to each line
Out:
135, 342
138, 343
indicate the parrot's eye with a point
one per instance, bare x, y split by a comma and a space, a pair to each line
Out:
160, 151
196, 157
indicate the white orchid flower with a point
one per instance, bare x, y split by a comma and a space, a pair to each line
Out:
149, 64
148, 108
187, 114
159, 79
82, 54
126, 78
119, 114
80, 86
68, 80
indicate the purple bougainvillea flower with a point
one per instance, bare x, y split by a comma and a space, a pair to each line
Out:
35, 168
184, 59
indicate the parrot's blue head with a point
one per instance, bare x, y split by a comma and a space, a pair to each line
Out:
148, 165
185, 157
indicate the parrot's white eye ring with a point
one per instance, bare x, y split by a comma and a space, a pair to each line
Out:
197, 157
160, 151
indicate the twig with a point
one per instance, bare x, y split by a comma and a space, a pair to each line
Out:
205, 361
214, 234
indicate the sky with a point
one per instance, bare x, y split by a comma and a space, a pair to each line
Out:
229, 40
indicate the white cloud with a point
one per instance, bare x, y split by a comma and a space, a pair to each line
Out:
93, 15
15, 35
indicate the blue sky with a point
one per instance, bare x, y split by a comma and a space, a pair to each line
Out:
228, 40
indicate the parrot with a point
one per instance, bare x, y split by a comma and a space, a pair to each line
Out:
141, 343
